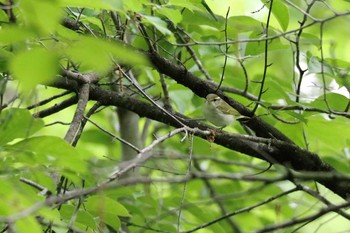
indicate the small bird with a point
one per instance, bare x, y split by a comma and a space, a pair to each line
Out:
218, 112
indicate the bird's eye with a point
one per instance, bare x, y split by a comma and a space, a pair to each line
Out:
217, 99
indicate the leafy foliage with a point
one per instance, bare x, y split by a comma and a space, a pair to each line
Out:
71, 162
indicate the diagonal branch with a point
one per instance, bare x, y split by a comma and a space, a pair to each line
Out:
57, 107
202, 88
271, 150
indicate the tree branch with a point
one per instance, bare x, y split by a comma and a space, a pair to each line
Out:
271, 150
79, 113
202, 89
57, 107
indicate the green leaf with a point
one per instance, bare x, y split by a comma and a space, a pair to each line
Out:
315, 66
107, 209
202, 215
6, 192
49, 151
43, 16
339, 163
99, 56
182, 99
184, 3
12, 35
5, 56
276, 88
335, 101
4, 17
92, 20
321, 139
256, 48
67, 34
172, 14
158, 23
309, 39
134, 5
341, 69
49, 214
96, 136
298, 116
105, 205
92, 4
243, 24
17, 123
207, 8
32, 67
28, 224
293, 131
83, 217
280, 11
339, 63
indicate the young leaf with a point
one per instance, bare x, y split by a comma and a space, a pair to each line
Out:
17, 123
49, 151
28, 224
11, 35
158, 23
316, 66
41, 16
172, 14
92, 4
32, 67
280, 11
107, 209
100, 52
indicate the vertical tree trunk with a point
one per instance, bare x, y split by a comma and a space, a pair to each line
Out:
129, 131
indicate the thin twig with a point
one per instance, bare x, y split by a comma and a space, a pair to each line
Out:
193, 54
298, 54
247, 209
309, 218
42, 189
322, 69
74, 215
166, 98
57, 107
324, 200
144, 154
308, 109
226, 50
188, 175
239, 92
282, 34
245, 91
214, 197
266, 65
48, 100
57, 123
137, 85
112, 135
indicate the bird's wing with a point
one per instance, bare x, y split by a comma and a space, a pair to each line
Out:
227, 109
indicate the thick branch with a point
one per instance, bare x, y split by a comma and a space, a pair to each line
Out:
272, 150
202, 88
79, 113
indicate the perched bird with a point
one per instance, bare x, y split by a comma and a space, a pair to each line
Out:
218, 112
